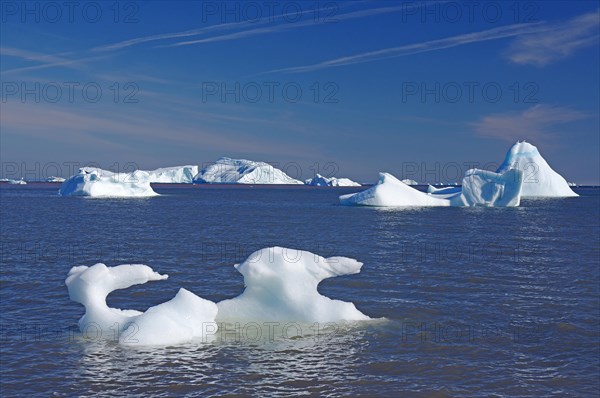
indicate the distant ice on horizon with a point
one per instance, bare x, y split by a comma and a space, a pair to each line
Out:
241, 171
321, 181
174, 175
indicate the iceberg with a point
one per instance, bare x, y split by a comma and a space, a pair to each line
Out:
540, 180
17, 182
281, 284
479, 188
388, 192
486, 188
183, 318
408, 181
55, 179
91, 181
175, 175
242, 171
320, 181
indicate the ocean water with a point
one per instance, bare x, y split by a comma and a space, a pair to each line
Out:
472, 301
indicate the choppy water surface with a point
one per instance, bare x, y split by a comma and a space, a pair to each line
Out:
476, 301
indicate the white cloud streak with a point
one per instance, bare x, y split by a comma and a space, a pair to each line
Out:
558, 42
415, 48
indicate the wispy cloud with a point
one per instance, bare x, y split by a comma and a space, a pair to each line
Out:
287, 26
245, 29
558, 42
534, 123
432, 45
44, 60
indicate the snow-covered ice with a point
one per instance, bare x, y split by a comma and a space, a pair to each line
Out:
539, 180
242, 171
479, 188
443, 191
281, 284
181, 319
321, 181
91, 181
175, 175
486, 188
390, 191
408, 181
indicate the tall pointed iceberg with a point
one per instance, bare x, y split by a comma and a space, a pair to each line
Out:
539, 179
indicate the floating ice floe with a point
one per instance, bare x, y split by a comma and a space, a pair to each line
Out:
281, 284
479, 188
242, 171
175, 175
183, 318
321, 181
91, 181
539, 179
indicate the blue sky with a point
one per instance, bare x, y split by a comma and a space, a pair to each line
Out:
420, 89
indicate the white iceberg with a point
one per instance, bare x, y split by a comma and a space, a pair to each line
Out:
479, 188
174, 175
17, 182
486, 188
389, 191
183, 318
91, 181
281, 284
408, 181
539, 179
242, 171
55, 179
321, 181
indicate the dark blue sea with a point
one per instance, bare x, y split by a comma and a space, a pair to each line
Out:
477, 301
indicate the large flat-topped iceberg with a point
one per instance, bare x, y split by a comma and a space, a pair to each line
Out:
320, 181
281, 284
242, 171
91, 181
183, 318
479, 188
175, 175
540, 180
